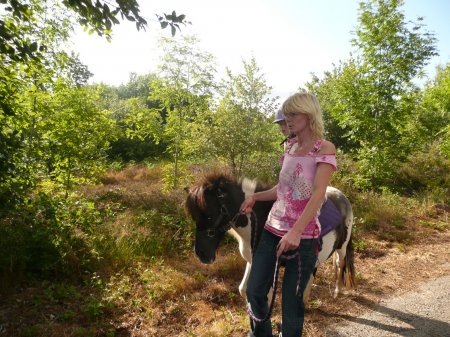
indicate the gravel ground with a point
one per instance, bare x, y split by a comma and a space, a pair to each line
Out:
425, 313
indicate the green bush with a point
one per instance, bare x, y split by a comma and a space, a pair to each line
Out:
48, 236
136, 150
384, 214
263, 166
426, 171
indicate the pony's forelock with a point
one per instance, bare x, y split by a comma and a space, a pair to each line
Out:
196, 202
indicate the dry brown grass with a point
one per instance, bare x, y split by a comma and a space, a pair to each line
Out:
203, 300
182, 297
179, 296
132, 173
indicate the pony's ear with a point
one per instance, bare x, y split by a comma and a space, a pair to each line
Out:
187, 189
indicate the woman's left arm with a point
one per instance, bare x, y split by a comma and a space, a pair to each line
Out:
291, 240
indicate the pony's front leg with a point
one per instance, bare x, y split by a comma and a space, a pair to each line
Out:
243, 285
307, 291
244, 282
243, 234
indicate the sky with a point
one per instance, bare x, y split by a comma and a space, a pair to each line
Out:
290, 39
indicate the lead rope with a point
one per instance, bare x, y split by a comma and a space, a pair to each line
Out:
275, 276
275, 285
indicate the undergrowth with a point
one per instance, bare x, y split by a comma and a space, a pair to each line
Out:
122, 252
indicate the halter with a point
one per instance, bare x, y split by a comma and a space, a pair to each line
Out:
224, 214
218, 227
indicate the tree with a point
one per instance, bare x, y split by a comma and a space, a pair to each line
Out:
428, 132
97, 16
372, 97
27, 88
139, 121
340, 93
241, 127
435, 113
137, 86
183, 91
392, 55
77, 135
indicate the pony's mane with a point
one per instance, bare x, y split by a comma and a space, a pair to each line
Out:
195, 202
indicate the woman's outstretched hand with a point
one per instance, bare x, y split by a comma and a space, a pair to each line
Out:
247, 205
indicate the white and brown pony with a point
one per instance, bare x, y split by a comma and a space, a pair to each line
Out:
213, 203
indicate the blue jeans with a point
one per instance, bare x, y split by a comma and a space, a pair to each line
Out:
261, 279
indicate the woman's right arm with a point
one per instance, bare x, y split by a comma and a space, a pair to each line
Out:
247, 205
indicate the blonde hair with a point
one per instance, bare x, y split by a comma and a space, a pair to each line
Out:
308, 104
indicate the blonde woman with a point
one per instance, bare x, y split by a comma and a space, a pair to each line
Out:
292, 226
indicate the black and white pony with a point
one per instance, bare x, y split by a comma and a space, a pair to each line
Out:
213, 203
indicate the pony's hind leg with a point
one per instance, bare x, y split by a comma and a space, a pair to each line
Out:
338, 263
349, 267
344, 268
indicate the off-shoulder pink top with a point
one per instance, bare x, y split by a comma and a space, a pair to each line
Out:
295, 189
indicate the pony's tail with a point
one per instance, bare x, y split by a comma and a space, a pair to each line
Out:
348, 274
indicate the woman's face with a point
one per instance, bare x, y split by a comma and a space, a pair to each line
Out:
297, 122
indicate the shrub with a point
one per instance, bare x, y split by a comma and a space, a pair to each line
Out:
48, 236
384, 214
263, 166
426, 171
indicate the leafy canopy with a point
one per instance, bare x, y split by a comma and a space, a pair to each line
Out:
97, 16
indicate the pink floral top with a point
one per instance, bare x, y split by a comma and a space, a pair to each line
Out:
295, 189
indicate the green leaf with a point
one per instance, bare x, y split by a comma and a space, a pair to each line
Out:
33, 47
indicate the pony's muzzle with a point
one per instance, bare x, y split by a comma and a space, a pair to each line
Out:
204, 258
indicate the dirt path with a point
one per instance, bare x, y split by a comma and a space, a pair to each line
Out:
423, 313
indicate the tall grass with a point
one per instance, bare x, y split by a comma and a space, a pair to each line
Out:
153, 220
130, 242
147, 222
131, 216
